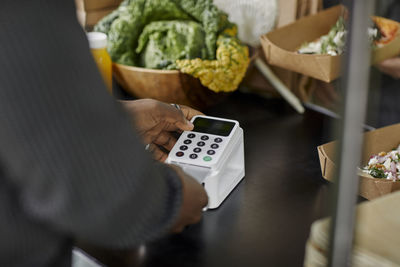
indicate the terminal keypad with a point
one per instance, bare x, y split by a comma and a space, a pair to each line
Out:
200, 146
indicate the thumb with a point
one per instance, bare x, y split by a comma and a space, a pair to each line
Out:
184, 124
177, 119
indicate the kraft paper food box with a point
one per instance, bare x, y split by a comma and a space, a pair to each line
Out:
383, 139
281, 45
89, 12
375, 242
91, 5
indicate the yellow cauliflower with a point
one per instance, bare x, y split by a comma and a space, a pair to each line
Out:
226, 72
231, 31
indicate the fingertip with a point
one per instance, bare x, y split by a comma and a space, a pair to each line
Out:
190, 124
186, 126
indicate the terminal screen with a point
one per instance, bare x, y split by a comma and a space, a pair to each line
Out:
211, 126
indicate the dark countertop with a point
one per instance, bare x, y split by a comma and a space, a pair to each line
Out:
266, 219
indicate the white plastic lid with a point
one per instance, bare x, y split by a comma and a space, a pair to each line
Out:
97, 40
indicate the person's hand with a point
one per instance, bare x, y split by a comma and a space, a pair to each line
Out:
156, 120
194, 199
390, 67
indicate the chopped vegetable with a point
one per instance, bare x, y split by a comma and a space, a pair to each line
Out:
377, 173
331, 44
384, 165
387, 30
382, 32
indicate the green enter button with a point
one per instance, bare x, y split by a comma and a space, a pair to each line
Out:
207, 158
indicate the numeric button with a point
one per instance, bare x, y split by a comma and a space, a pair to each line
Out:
197, 150
201, 143
187, 142
183, 148
210, 152
214, 146
204, 138
193, 156
191, 135
218, 140
179, 154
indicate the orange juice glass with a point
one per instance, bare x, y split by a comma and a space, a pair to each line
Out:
98, 46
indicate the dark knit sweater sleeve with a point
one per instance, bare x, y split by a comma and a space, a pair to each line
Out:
65, 144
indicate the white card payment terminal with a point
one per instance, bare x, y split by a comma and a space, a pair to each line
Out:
213, 153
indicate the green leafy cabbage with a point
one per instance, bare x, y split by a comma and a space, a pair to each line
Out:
156, 33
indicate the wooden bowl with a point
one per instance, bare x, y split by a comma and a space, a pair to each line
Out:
170, 86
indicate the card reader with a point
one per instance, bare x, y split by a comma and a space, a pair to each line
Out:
213, 153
